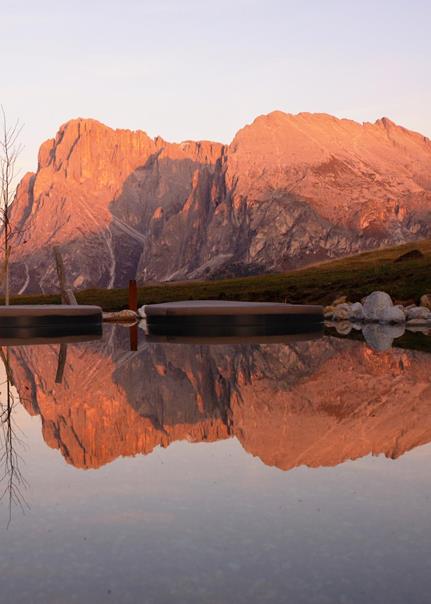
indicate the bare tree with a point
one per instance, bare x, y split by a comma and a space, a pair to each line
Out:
10, 149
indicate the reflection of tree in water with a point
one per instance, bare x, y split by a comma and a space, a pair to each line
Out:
12, 482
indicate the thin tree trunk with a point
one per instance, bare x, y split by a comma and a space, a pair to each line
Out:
10, 149
6, 276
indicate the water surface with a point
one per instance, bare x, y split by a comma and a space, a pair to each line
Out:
294, 470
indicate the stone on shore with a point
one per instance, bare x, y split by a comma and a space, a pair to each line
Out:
393, 314
426, 301
419, 312
122, 316
340, 300
342, 312
328, 312
377, 307
356, 311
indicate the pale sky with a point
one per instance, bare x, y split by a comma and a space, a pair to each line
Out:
202, 69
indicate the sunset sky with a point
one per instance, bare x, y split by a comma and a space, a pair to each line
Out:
201, 69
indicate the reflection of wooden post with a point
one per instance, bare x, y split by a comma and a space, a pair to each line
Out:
134, 337
133, 295
133, 305
67, 295
61, 363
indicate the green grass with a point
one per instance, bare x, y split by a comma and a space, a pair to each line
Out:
355, 276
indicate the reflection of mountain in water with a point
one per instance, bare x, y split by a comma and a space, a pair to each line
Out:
314, 403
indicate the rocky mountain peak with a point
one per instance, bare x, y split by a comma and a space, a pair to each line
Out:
289, 190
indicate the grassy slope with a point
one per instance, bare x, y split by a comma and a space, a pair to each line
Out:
354, 276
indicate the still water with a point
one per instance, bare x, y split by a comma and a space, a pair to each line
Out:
270, 471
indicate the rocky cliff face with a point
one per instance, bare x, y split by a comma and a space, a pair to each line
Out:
315, 403
288, 190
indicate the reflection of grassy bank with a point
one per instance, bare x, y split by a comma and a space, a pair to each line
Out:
409, 340
355, 276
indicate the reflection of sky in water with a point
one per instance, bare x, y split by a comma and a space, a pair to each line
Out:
208, 522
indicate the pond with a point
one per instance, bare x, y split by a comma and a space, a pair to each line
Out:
291, 470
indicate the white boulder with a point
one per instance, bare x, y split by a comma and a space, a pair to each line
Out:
377, 306
356, 312
393, 314
419, 312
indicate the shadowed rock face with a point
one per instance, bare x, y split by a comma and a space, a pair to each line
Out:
314, 403
288, 190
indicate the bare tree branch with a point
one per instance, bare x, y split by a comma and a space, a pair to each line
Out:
10, 150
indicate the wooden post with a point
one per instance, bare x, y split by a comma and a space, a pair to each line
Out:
67, 295
133, 295
6, 277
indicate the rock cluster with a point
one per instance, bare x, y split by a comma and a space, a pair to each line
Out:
378, 307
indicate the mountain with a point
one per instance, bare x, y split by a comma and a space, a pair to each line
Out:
314, 403
289, 190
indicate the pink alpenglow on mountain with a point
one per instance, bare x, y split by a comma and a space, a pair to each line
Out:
316, 403
288, 191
